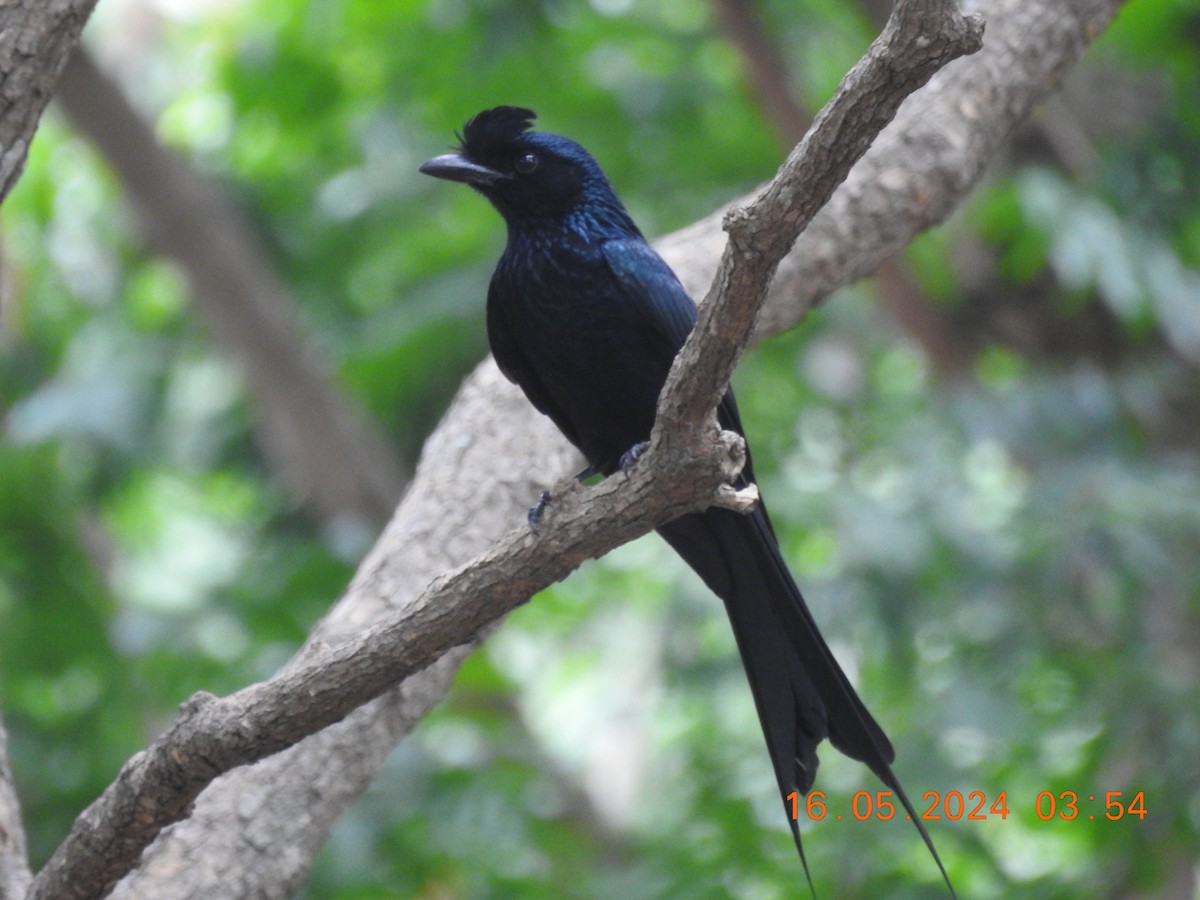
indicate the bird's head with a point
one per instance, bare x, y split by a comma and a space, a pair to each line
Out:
527, 175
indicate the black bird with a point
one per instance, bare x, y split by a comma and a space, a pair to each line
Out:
586, 318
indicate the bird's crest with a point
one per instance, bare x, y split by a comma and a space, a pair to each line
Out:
494, 130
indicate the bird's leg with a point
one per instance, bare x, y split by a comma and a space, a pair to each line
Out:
534, 516
630, 456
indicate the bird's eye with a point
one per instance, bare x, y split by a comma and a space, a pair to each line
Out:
526, 163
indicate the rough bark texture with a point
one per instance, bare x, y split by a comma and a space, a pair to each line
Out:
445, 518
762, 233
491, 453
211, 736
14, 864
923, 164
36, 37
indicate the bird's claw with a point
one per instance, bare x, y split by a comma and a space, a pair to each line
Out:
534, 516
630, 456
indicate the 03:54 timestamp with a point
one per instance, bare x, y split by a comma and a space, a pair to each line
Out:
1066, 805
975, 806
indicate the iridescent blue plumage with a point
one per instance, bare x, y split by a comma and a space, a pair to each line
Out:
587, 319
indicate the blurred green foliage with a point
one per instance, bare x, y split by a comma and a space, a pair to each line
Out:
1007, 562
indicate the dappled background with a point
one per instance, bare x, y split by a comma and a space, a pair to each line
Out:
984, 463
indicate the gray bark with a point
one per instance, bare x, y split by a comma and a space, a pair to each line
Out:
14, 864
36, 38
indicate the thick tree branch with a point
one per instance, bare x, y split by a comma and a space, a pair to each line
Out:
762, 233
324, 447
490, 454
454, 509
770, 77
14, 864
36, 37
213, 735
923, 165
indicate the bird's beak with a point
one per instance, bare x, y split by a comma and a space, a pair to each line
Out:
456, 167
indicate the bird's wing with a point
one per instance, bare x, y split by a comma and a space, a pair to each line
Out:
651, 285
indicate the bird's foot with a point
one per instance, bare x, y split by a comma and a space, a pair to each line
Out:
630, 456
562, 487
534, 516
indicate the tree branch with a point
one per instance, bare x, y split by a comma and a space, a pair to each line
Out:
489, 455
678, 476
770, 77
455, 507
14, 864
919, 39
36, 37
211, 736
923, 165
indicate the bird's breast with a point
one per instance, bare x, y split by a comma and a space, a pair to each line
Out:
563, 327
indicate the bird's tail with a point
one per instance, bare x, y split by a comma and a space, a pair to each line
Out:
801, 693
